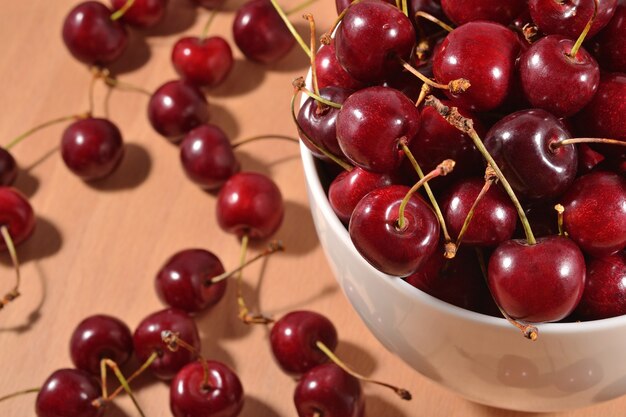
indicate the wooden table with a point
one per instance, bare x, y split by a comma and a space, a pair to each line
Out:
97, 247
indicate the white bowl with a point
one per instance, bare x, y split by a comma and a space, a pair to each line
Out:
482, 358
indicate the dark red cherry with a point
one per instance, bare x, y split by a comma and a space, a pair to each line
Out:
293, 340
595, 213
91, 36
147, 340
142, 13
8, 168
569, 18
260, 33
588, 158
98, 337
432, 7
341, 5
183, 281
463, 11
483, 53
176, 108
207, 157
330, 73
16, 214
375, 232
218, 394
330, 392
68, 392
534, 168
371, 40
205, 62
612, 42
537, 283
371, 124
250, 204
605, 288
556, 82
209, 4
92, 148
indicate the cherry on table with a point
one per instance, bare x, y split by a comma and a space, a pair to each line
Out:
204, 62
142, 13
69, 392
16, 214
8, 168
569, 18
605, 288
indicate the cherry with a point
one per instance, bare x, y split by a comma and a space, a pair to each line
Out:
206, 389
142, 13
260, 33
203, 62
177, 107
463, 11
595, 213
371, 124
92, 148
534, 168
612, 42
433, 8
68, 392
16, 214
568, 18
98, 337
92, 36
250, 204
147, 341
483, 53
605, 288
207, 157
184, 281
341, 5
328, 391
209, 4
330, 73
8, 168
537, 283
588, 159
372, 39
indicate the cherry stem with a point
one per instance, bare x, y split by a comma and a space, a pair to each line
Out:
92, 85
490, 178
320, 148
118, 14
528, 330
424, 91
309, 17
261, 137
583, 35
402, 393
154, 356
466, 125
104, 363
207, 25
299, 7
573, 141
319, 98
433, 19
326, 37
274, 246
560, 210
530, 32
405, 8
293, 30
105, 75
174, 342
244, 312
37, 128
455, 86
18, 393
450, 248
15, 292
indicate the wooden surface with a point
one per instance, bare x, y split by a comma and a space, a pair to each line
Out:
97, 247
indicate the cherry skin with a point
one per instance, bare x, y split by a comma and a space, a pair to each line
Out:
16, 214
370, 125
177, 107
293, 340
341, 5
588, 158
250, 204
534, 168
605, 288
220, 395
376, 235
483, 53
202, 62
182, 282
330, 392
330, 73
371, 39
98, 337
91, 36
8, 168
612, 42
569, 18
143, 13
463, 11
595, 213
432, 7
260, 33
537, 283
556, 82
207, 157
68, 392
92, 148
147, 339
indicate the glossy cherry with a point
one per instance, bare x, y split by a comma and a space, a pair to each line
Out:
205, 62
260, 33
537, 283
330, 73
250, 204
463, 11
142, 13
207, 157
16, 214
68, 392
595, 213
8, 168
92, 148
177, 107
605, 288
219, 395
183, 281
569, 18
92, 36
612, 42
98, 337
341, 5
147, 340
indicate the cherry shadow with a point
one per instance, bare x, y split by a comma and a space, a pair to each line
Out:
223, 118
296, 59
179, 16
297, 231
485, 410
254, 407
379, 406
27, 183
214, 352
134, 169
45, 241
114, 410
251, 163
34, 316
136, 55
326, 291
245, 76
40, 161
357, 357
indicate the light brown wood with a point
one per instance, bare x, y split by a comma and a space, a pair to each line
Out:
97, 248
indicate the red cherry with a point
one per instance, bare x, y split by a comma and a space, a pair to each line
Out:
330, 73
341, 5
142, 13
463, 11
605, 289
16, 214
569, 18
612, 42
68, 392
202, 62
8, 168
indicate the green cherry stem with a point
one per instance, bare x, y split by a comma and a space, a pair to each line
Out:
104, 363
19, 393
583, 34
433, 19
122, 11
405, 8
559, 213
455, 86
326, 37
293, 30
15, 292
174, 342
272, 247
154, 356
37, 128
207, 25
573, 141
309, 17
299, 7
490, 178
262, 137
